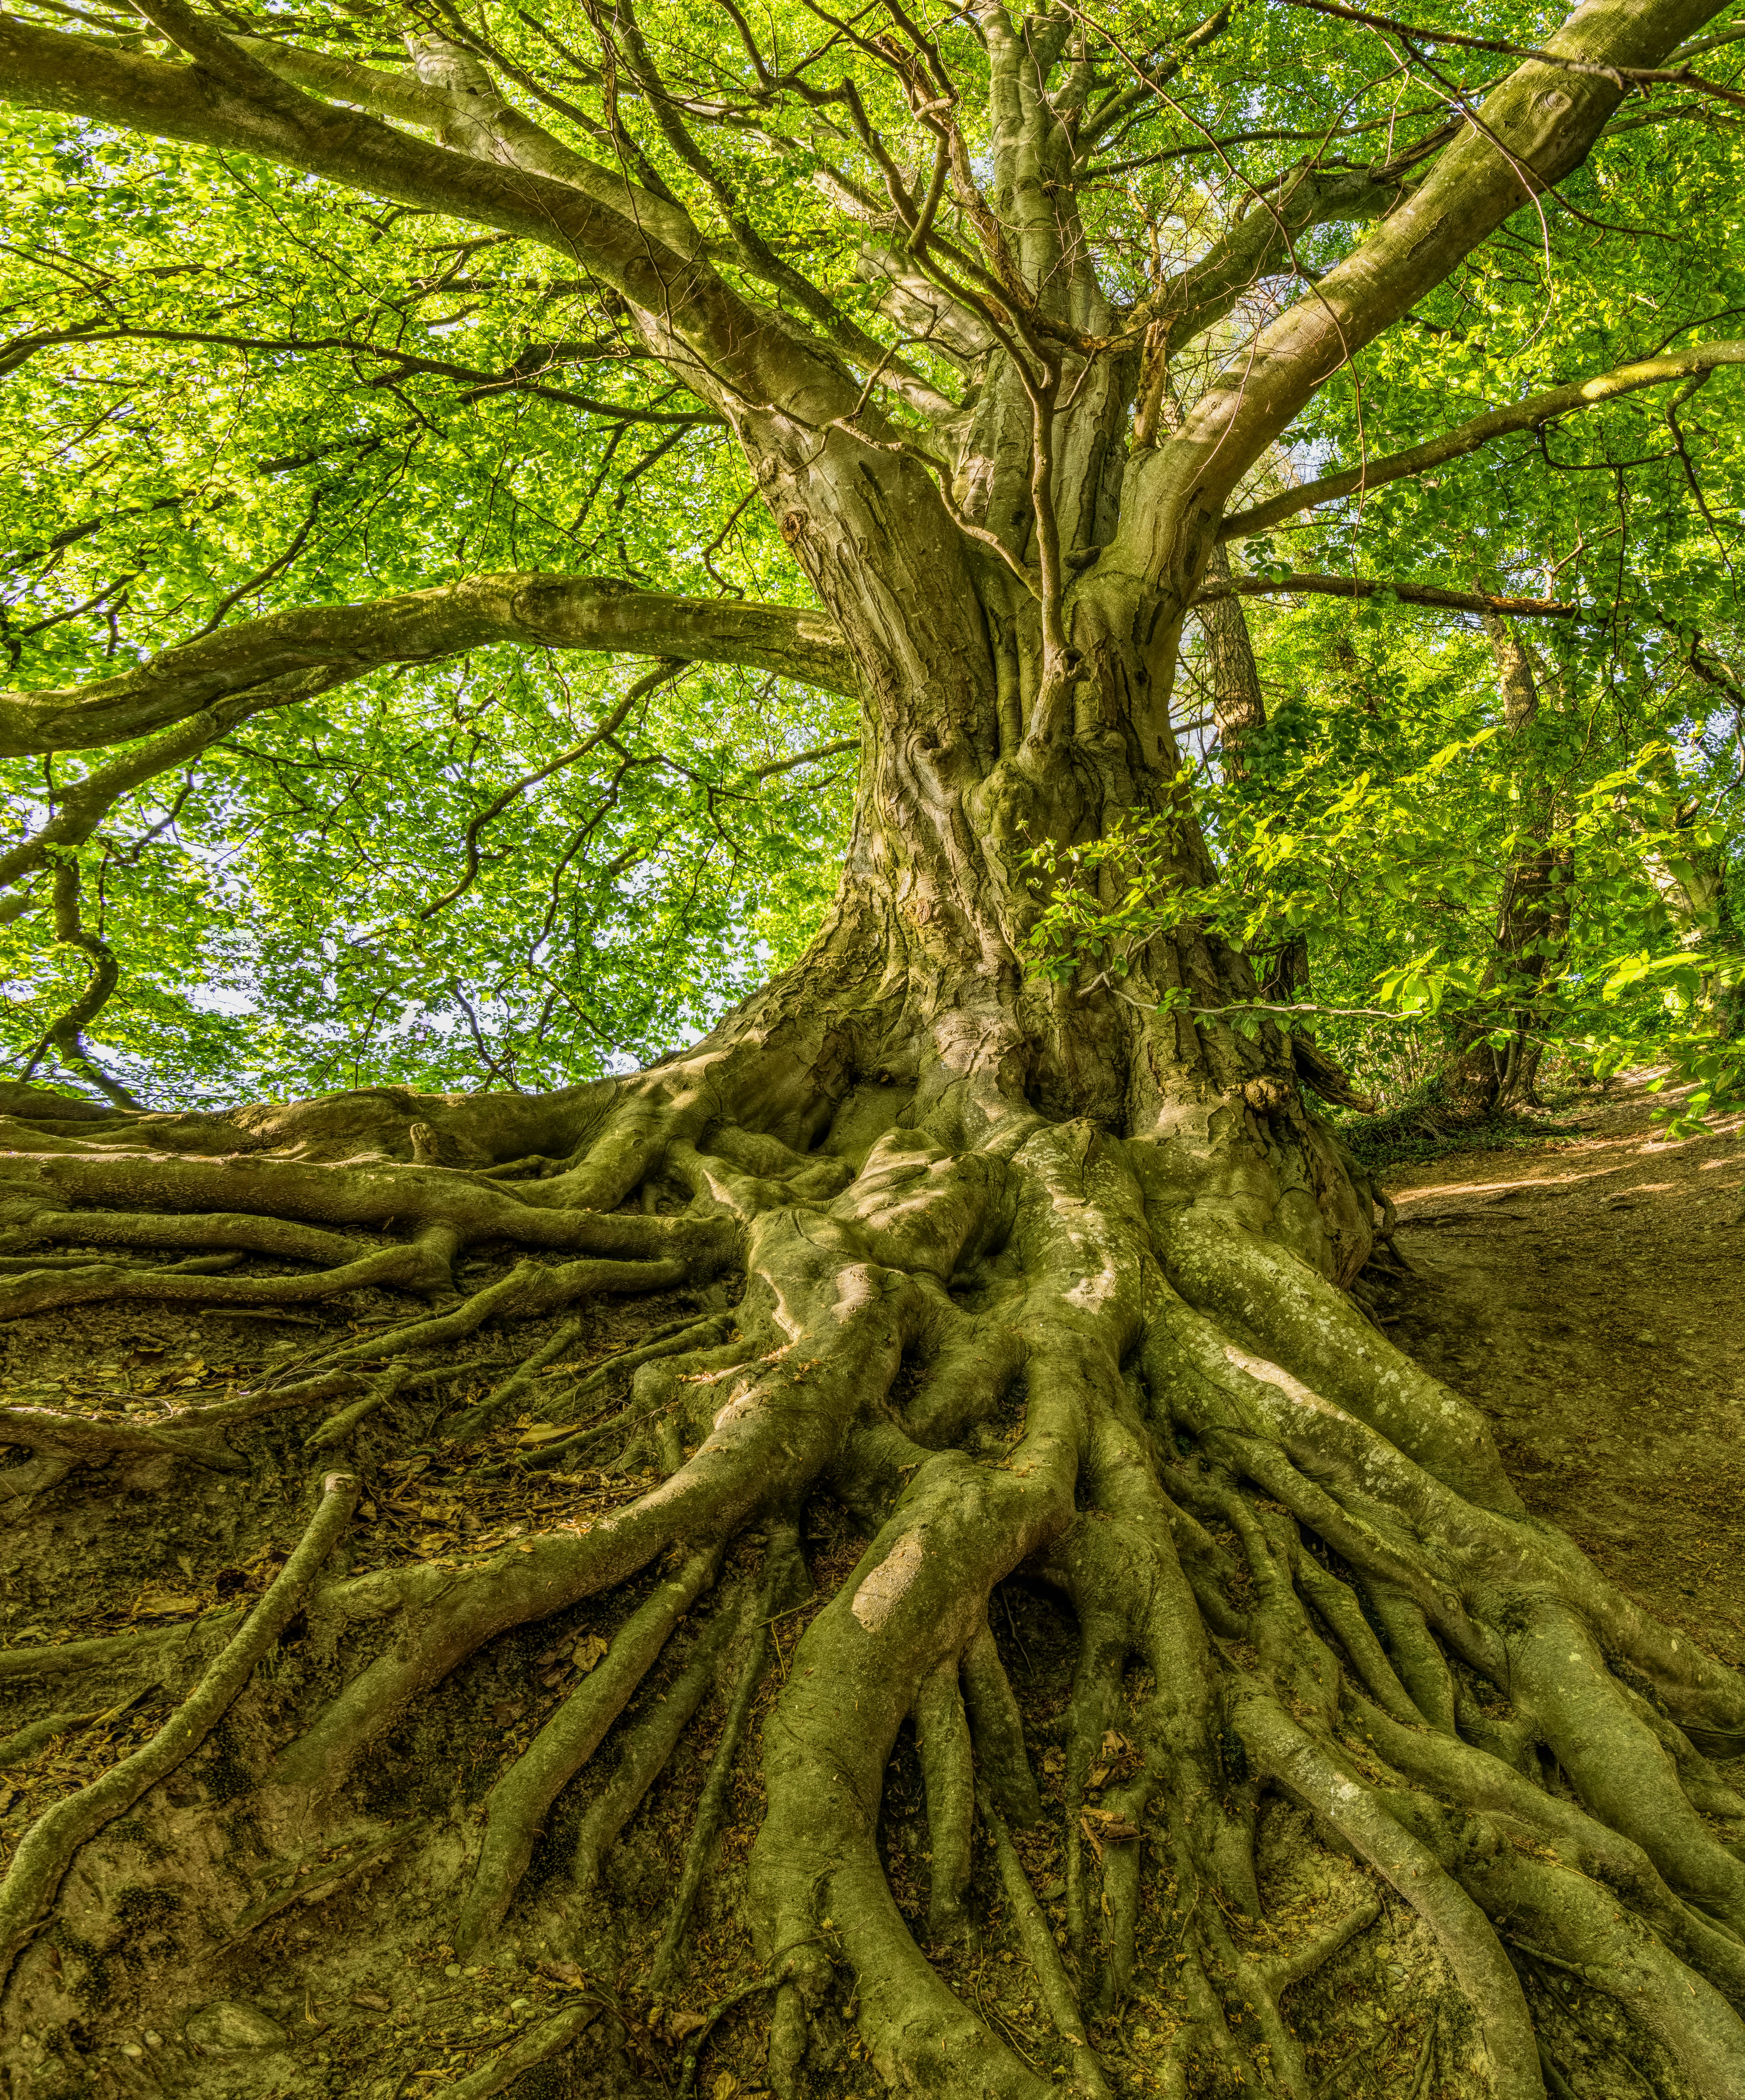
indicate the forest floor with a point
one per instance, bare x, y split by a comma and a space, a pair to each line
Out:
1584, 1289
1579, 1282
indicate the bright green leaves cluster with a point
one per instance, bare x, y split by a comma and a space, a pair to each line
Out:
231, 389
381, 400
1391, 856
276, 940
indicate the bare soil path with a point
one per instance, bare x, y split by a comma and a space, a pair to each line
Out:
1588, 1292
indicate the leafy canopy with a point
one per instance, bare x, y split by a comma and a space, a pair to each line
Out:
235, 389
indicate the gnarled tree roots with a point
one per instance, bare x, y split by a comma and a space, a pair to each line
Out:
1328, 1681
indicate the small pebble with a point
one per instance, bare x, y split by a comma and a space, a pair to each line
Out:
453, 1970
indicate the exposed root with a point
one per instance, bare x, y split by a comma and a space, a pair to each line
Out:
337, 1427
1284, 1753
69, 1438
645, 1747
422, 1267
520, 1381
527, 1292
696, 2042
699, 1848
538, 2045
1038, 1943
993, 1346
518, 1801
948, 1771
23, 1743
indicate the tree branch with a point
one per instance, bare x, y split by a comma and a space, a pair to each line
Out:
520, 377
312, 648
832, 750
85, 804
67, 1033
451, 96
1260, 242
230, 100
1530, 414
661, 673
1410, 33
1534, 129
1450, 600
1123, 102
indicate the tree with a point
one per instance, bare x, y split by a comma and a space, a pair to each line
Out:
1043, 1269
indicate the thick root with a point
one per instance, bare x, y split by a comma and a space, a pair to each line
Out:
1003, 1354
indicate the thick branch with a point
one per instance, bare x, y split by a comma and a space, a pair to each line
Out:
1451, 601
1533, 129
314, 647
464, 111
1530, 414
228, 100
1261, 243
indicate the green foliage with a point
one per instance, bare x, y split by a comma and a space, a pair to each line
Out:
1396, 879
267, 909
233, 388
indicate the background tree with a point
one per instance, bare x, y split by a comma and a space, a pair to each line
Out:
1034, 1247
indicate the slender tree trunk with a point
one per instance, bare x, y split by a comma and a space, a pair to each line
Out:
1239, 706
1239, 711
1532, 918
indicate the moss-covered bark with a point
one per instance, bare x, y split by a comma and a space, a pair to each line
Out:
1043, 1297
1031, 1296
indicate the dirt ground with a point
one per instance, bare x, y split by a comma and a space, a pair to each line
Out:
1585, 1291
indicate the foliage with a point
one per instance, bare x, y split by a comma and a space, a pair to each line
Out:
1394, 879
268, 913
234, 387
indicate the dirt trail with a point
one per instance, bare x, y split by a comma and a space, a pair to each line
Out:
1586, 1293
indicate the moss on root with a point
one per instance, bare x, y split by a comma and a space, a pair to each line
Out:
998, 1620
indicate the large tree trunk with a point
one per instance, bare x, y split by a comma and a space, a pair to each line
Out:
995, 1286
1039, 1286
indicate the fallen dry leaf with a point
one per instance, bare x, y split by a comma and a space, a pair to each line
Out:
589, 1651
686, 2023
1103, 1826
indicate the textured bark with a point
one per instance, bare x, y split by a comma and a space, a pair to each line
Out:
1532, 917
1043, 1284
297, 655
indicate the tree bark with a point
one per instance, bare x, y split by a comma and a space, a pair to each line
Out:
1030, 1282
